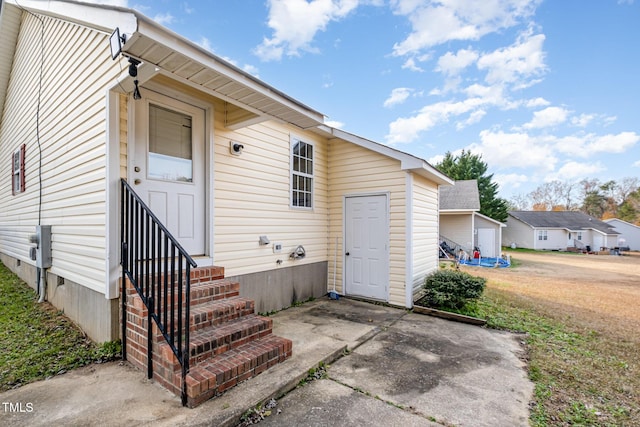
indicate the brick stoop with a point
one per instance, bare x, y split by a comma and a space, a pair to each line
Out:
229, 343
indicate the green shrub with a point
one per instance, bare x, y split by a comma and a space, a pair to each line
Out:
452, 289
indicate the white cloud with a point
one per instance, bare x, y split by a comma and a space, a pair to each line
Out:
205, 44
582, 120
590, 144
252, 69
573, 170
454, 63
636, 164
473, 118
407, 129
436, 23
536, 102
436, 159
516, 64
398, 96
296, 22
334, 124
510, 181
410, 64
514, 150
164, 18
550, 116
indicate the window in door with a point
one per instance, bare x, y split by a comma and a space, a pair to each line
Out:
170, 147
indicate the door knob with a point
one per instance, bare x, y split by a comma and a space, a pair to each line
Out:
137, 181
136, 168
347, 254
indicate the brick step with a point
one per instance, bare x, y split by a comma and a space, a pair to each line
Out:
212, 377
201, 293
215, 340
213, 290
219, 312
215, 313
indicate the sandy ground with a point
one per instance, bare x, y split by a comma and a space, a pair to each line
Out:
601, 292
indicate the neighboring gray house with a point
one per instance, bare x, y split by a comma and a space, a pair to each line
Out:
462, 226
551, 230
629, 233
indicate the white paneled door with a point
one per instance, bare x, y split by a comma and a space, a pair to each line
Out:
168, 166
487, 242
366, 247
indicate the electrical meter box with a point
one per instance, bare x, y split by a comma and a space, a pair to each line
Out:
42, 250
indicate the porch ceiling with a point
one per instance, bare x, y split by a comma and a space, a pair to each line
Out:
204, 71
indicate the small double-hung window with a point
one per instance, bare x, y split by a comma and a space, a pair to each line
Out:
301, 174
17, 170
542, 234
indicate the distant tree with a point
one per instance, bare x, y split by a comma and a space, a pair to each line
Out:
594, 203
611, 199
554, 195
519, 202
471, 166
629, 210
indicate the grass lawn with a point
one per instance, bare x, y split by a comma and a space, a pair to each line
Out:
37, 340
582, 324
581, 377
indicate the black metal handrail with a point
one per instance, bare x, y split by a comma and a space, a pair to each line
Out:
153, 261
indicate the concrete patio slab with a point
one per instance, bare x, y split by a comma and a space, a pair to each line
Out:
432, 368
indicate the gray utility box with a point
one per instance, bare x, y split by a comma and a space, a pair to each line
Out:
41, 254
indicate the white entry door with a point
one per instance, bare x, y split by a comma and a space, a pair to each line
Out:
487, 242
168, 166
366, 247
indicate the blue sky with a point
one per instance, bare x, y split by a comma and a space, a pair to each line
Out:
543, 90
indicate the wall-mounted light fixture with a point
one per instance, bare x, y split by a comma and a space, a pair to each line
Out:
235, 148
264, 240
133, 72
115, 42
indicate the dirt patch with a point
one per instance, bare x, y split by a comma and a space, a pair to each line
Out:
600, 292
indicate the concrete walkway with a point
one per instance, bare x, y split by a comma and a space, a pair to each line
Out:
399, 368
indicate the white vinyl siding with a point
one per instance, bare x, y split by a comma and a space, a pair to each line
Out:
458, 228
72, 136
354, 170
252, 198
424, 230
518, 233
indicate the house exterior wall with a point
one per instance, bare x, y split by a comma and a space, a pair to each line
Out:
252, 197
356, 170
424, 230
629, 232
518, 233
458, 228
556, 239
72, 135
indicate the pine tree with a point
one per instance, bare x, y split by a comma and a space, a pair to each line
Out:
471, 166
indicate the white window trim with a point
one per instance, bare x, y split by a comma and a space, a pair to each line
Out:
292, 141
542, 235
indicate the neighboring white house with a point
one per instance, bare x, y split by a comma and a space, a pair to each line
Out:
462, 226
558, 230
220, 156
629, 233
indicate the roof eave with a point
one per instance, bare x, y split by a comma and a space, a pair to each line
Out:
285, 108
